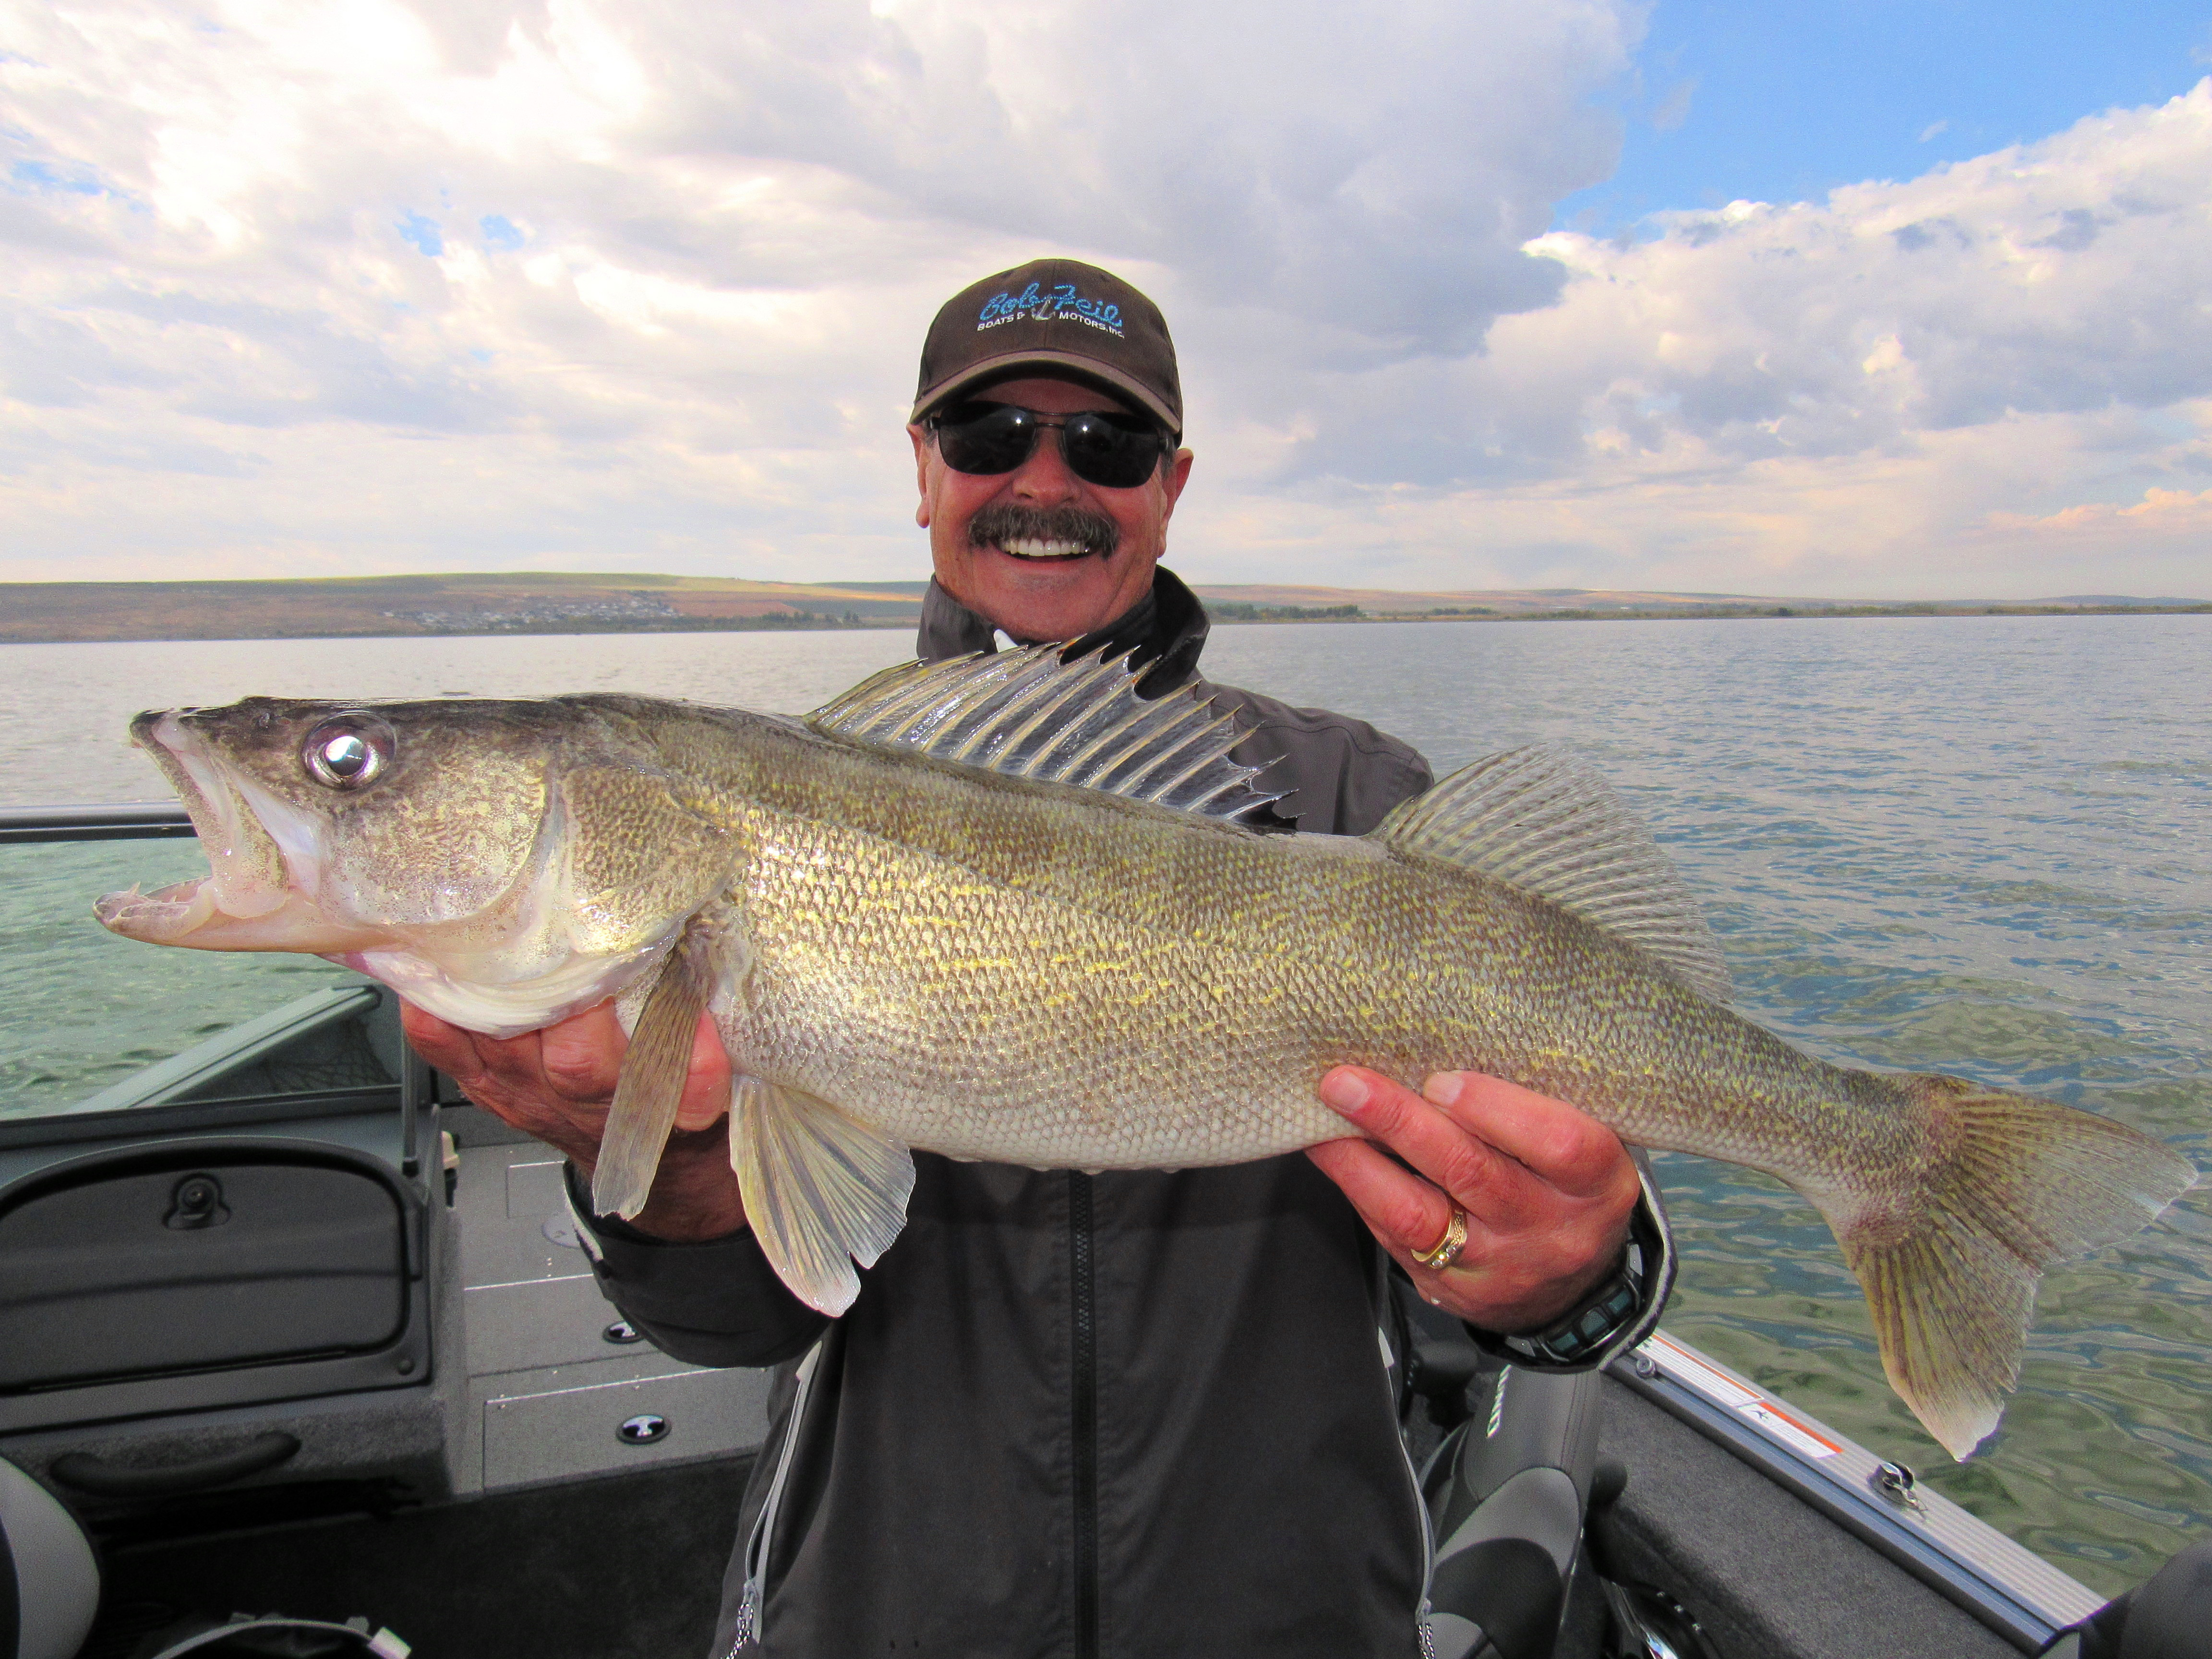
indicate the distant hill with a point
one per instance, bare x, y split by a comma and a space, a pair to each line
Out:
1586, 602
563, 602
515, 602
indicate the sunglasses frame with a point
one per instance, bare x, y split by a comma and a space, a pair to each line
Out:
1039, 423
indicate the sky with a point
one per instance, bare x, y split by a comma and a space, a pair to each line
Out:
1868, 300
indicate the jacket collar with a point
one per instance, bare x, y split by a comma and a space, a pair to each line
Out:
1166, 630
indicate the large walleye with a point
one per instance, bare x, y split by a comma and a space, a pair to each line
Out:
1003, 908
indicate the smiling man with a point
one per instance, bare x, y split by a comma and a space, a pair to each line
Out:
1132, 1413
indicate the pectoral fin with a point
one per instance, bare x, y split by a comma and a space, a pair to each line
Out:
820, 1190
653, 1070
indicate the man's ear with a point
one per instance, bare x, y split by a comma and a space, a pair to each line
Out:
920, 437
1172, 480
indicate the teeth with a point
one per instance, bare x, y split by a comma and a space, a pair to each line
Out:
1041, 550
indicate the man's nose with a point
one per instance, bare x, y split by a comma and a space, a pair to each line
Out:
1044, 477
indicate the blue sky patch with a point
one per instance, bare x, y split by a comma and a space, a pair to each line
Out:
1744, 99
422, 234
500, 233
38, 175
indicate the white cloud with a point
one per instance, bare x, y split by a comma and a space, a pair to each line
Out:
367, 285
1902, 390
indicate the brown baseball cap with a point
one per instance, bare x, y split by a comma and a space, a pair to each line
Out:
1059, 315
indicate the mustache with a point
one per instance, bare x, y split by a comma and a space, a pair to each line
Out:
1004, 521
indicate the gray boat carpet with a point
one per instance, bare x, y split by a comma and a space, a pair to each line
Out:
624, 1567
1766, 1575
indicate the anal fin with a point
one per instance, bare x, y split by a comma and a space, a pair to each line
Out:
653, 1070
822, 1191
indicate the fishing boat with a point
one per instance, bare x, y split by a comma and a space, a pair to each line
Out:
290, 1331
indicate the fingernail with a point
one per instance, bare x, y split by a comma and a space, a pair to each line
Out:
1343, 1091
1444, 1088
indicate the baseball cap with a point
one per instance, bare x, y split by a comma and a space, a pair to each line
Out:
1059, 315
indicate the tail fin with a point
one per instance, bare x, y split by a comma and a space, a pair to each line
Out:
1949, 1262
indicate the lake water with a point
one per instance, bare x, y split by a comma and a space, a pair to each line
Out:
1971, 844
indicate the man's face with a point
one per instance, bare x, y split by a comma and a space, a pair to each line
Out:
1054, 588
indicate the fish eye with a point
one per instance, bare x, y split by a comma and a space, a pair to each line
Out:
349, 751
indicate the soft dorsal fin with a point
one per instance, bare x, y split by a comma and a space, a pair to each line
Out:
1025, 713
1536, 818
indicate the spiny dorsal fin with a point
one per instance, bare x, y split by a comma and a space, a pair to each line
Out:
1536, 818
1025, 713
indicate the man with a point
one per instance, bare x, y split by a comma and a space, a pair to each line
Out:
1134, 1412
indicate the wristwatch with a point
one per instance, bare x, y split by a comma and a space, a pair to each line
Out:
1593, 1322
1618, 1308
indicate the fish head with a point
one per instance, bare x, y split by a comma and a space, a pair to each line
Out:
497, 861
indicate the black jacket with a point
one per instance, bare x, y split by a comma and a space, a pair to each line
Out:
1077, 1416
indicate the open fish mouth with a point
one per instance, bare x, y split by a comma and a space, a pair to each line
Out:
263, 862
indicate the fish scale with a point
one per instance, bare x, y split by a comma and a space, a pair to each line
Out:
1005, 909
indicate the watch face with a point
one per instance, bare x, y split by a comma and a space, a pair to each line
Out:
1590, 1326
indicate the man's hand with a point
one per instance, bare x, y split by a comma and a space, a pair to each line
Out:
557, 1085
1547, 1191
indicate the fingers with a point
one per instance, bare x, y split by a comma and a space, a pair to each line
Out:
706, 1089
579, 1058
1498, 1189
556, 1083
1558, 1144
1405, 1212
449, 1047
1547, 1191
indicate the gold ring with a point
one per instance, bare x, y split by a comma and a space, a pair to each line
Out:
1445, 1251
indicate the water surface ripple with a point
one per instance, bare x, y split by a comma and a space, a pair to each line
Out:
1973, 845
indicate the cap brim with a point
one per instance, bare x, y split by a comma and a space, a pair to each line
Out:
1066, 365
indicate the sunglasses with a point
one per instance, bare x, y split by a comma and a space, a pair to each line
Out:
1115, 451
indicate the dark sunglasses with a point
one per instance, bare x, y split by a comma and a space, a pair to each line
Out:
1115, 451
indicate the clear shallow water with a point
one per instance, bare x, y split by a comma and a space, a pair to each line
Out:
1980, 845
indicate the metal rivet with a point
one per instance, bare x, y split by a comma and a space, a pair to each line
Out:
404, 1366
642, 1430
622, 1333
1643, 1366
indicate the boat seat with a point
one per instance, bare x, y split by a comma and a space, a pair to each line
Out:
1506, 1488
1509, 1490
49, 1580
2169, 1617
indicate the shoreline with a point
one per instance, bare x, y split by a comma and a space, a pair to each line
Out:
557, 628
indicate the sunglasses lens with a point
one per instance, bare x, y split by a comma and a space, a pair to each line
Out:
1113, 452
1105, 452
987, 438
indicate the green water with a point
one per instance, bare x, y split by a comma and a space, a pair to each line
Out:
1981, 846
1971, 844
86, 1009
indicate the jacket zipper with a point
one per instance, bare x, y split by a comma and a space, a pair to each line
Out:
1422, 1625
763, 1532
1082, 1303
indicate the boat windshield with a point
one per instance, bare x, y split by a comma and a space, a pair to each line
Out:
94, 1022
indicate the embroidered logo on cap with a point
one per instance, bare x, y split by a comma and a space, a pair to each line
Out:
1059, 302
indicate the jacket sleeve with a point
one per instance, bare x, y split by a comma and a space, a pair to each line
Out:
714, 1303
